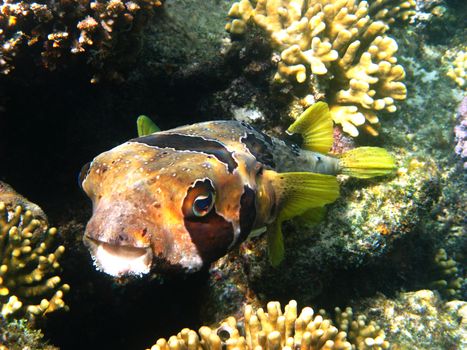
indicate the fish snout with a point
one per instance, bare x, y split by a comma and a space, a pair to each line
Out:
119, 260
119, 243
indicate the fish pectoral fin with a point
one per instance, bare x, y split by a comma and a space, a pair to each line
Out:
313, 215
275, 243
367, 162
316, 127
146, 126
296, 193
257, 232
299, 191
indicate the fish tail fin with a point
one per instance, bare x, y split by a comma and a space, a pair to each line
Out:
316, 127
367, 162
297, 192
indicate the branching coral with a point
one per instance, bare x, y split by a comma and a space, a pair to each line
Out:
342, 43
29, 284
365, 335
272, 330
55, 29
450, 283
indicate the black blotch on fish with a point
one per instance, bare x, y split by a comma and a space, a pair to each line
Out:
259, 148
190, 143
211, 234
247, 212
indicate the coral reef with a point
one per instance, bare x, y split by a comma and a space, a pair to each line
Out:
448, 269
29, 284
277, 329
420, 320
340, 45
360, 228
361, 332
458, 70
13, 199
52, 31
17, 334
460, 132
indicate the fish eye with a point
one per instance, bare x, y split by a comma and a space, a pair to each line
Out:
200, 199
203, 204
224, 332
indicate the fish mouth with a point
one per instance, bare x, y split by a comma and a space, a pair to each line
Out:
119, 260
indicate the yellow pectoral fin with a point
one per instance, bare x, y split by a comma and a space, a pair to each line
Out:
366, 162
275, 243
313, 215
316, 127
300, 191
297, 193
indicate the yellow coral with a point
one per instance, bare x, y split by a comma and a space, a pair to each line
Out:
29, 285
363, 334
342, 42
271, 329
458, 71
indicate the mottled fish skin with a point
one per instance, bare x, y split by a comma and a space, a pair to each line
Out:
140, 191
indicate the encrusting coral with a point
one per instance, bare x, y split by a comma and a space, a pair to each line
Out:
458, 70
29, 284
274, 330
340, 44
53, 30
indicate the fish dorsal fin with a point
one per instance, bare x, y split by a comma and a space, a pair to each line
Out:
296, 193
367, 162
146, 126
316, 127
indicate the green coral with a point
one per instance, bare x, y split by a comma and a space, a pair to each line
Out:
29, 266
340, 45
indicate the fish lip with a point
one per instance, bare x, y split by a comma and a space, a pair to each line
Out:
119, 260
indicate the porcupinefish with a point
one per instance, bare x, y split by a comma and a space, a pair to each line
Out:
182, 198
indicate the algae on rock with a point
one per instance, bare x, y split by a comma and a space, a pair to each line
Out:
420, 320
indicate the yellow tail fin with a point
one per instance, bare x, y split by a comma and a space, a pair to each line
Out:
366, 162
297, 193
316, 127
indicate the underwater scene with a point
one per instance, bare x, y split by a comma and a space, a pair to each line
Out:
233, 175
